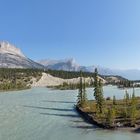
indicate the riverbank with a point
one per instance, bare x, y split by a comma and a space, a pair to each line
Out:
89, 118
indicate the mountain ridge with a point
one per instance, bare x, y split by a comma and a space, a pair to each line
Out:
12, 57
71, 65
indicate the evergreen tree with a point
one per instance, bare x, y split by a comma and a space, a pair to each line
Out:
80, 93
114, 100
133, 94
133, 112
98, 92
126, 105
96, 84
84, 94
110, 116
100, 97
127, 98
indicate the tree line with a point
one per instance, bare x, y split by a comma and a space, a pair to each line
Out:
15, 79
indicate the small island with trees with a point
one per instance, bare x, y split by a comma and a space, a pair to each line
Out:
108, 113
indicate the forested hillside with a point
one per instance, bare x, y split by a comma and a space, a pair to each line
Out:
15, 79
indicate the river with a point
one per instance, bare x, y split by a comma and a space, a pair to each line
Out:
45, 114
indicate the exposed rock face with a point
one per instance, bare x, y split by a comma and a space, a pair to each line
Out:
5, 47
49, 80
12, 57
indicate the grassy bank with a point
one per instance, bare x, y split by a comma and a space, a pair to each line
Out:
120, 114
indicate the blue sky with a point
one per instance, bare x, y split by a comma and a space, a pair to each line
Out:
94, 32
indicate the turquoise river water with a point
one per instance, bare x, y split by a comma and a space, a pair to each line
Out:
45, 114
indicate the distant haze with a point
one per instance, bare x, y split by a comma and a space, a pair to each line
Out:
72, 65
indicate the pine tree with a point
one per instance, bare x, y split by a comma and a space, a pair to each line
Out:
133, 112
127, 98
110, 116
133, 94
84, 94
100, 97
114, 100
98, 92
80, 93
126, 110
96, 84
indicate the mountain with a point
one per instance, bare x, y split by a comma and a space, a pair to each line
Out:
12, 57
66, 64
71, 65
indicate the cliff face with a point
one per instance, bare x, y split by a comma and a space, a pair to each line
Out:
12, 57
6, 47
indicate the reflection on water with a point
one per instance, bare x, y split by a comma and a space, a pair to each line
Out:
43, 114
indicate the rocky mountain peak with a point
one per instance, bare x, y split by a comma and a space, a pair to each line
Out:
12, 57
7, 48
